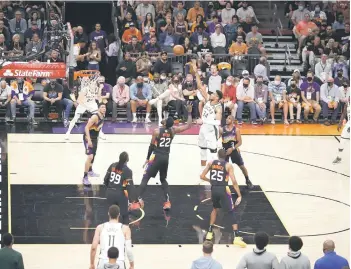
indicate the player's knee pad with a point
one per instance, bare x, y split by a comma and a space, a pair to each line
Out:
203, 154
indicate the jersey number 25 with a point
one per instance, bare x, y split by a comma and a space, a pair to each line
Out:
217, 175
165, 142
115, 178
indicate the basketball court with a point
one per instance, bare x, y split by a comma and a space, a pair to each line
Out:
298, 191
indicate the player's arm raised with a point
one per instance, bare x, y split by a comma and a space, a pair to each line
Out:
188, 123
204, 173
94, 246
152, 145
128, 245
91, 122
200, 85
230, 170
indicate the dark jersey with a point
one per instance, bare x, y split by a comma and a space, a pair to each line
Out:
218, 173
117, 178
229, 138
96, 127
163, 141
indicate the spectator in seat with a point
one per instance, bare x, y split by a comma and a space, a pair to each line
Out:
293, 97
163, 65
329, 100
21, 94
277, 96
151, 34
179, 10
54, 57
206, 262
318, 15
205, 46
259, 257
302, 30
3, 45
218, 40
332, 50
120, 98
190, 93
112, 52
344, 95
206, 65
68, 101
10, 258
227, 14
299, 14
94, 56
160, 94
105, 93
153, 49
99, 36
339, 24
143, 9
16, 45
127, 20
34, 17
328, 34
340, 79
333, 14
166, 22
18, 25
79, 35
4, 19
188, 47
229, 96
180, 26
330, 258
240, 32
126, 68
143, 65
261, 69
34, 46
134, 48
245, 96
176, 99
129, 33
52, 95
246, 74
140, 95
4, 31
315, 49
5, 99
214, 80
199, 21
28, 34
323, 69
238, 48
343, 37
194, 12
310, 94
261, 95
295, 259
147, 24
168, 39
246, 16
231, 29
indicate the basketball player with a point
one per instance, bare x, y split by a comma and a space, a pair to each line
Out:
345, 134
120, 186
112, 234
221, 194
231, 141
90, 91
211, 120
90, 140
158, 155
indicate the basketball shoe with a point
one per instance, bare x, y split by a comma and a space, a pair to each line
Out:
238, 241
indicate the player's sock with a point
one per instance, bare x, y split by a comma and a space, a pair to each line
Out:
90, 168
147, 115
210, 229
134, 115
165, 188
247, 178
235, 233
85, 174
73, 123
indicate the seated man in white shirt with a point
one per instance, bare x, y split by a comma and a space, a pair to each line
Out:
218, 40
344, 95
323, 69
261, 69
5, 99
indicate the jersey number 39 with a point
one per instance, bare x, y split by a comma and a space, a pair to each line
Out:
115, 178
165, 142
217, 175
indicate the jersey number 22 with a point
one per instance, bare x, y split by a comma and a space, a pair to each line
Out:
165, 142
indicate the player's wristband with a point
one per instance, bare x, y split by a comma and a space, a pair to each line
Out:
151, 149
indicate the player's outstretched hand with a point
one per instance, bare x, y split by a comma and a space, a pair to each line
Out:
238, 201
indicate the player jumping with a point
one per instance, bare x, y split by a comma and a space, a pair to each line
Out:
345, 134
231, 141
90, 139
158, 155
88, 94
221, 194
112, 234
211, 120
120, 186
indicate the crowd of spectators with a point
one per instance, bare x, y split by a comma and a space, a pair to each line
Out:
149, 75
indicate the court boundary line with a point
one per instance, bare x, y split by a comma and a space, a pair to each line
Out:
187, 144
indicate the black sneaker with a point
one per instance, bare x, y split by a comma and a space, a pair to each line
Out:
33, 122
249, 185
337, 160
326, 122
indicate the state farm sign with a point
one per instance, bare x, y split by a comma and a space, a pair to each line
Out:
34, 70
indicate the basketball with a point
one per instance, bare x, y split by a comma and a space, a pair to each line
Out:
178, 50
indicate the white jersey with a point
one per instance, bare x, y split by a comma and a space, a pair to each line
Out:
209, 111
112, 236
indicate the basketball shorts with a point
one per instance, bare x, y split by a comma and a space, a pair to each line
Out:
157, 163
90, 150
102, 262
222, 198
208, 137
91, 107
345, 133
120, 198
235, 157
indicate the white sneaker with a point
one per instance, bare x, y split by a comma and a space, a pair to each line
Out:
147, 120
135, 120
160, 124
67, 136
102, 136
